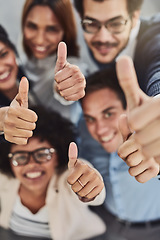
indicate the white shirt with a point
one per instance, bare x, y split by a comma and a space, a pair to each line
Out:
24, 222
129, 50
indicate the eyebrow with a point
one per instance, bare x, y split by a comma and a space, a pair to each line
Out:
111, 19
34, 23
104, 111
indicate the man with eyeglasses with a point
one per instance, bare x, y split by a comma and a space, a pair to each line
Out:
113, 28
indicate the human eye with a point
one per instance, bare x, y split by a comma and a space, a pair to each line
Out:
116, 24
90, 26
3, 54
53, 29
108, 114
31, 26
89, 119
43, 154
21, 158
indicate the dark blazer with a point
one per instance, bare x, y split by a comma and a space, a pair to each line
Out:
147, 56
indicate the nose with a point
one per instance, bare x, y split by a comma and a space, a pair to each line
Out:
31, 160
101, 127
104, 35
40, 37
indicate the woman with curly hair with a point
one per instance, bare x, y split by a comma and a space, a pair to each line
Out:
35, 193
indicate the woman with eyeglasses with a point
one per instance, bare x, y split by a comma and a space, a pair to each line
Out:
36, 198
45, 23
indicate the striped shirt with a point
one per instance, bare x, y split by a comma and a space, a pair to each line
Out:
24, 222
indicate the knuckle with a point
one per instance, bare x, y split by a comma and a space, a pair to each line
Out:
69, 180
155, 171
24, 141
81, 94
140, 179
75, 69
30, 134
34, 126
130, 161
8, 138
131, 172
121, 153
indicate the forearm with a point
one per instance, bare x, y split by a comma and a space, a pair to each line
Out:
3, 111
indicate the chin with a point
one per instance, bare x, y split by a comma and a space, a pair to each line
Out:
104, 60
112, 148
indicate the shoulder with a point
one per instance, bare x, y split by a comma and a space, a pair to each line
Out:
149, 25
6, 181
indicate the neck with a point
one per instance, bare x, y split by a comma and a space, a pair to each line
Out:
33, 200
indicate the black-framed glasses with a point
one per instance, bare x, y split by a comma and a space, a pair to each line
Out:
114, 26
40, 155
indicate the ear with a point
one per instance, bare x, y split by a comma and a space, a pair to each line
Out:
135, 18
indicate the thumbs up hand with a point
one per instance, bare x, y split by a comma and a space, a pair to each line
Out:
128, 81
143, 118
84, 180
70, 82
19, 121
130, 151
21, 98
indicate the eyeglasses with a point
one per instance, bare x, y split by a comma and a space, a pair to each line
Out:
40, 155
114, 26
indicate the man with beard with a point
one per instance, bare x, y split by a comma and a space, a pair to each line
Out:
113, 28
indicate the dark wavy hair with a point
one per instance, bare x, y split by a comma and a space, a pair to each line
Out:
4, 38
105, 78
64, 13
51, 127
132, 5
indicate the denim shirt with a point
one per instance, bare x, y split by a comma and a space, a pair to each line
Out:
126, 198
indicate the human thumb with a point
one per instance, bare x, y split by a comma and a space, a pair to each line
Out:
61, 57
22, 97
72, 155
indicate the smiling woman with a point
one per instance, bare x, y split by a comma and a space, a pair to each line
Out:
45, 23
35, 198
10, 71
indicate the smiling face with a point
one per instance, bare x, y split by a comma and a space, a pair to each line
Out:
102, 109
8, 68
42, 31
34, 177
104, 45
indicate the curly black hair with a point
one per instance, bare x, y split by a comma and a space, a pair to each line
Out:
51, 127
132, 5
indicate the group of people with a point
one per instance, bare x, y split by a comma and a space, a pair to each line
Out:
52, 100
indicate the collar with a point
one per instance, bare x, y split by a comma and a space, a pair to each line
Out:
129, 50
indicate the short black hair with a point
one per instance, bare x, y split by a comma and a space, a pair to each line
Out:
105, 78
132, 5
51, 127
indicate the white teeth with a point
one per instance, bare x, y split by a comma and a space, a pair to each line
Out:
41, 49
107, 138
4, 75
33, 174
